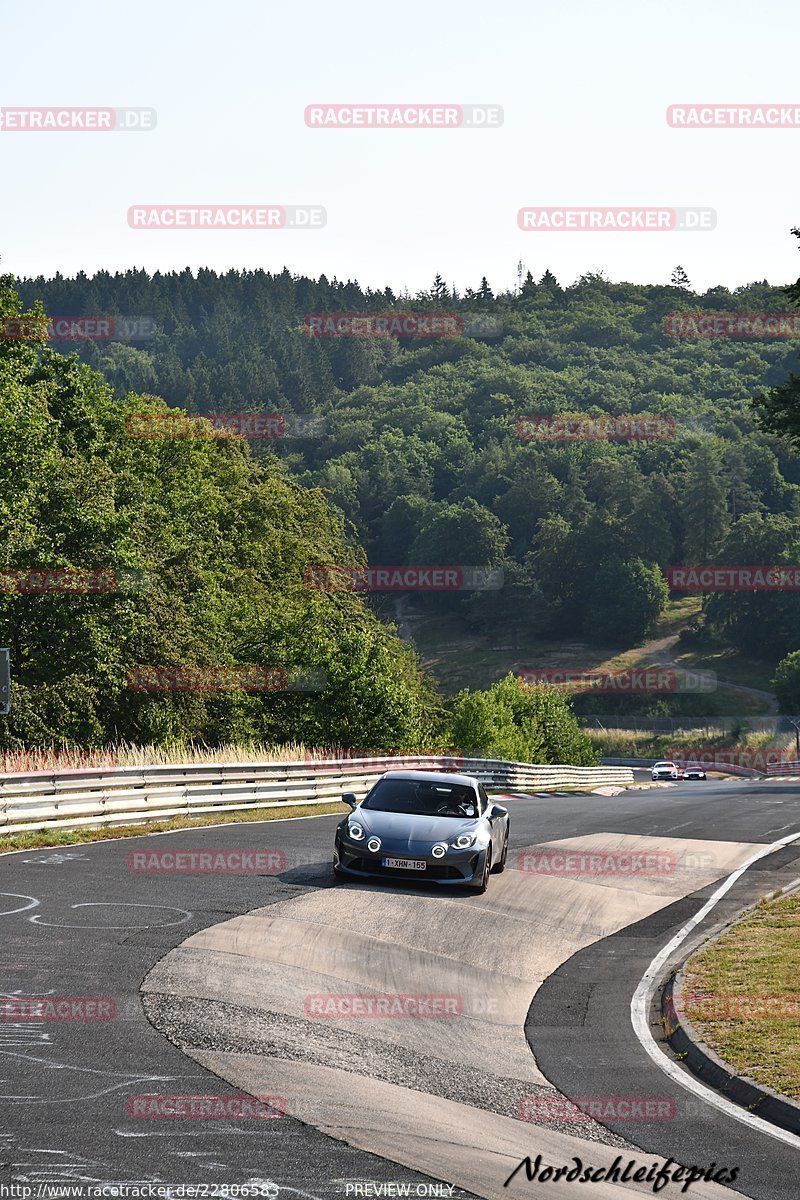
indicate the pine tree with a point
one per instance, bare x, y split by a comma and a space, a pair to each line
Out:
680, 279
704, 505
439, 289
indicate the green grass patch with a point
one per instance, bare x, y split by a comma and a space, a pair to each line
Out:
461, 657
757, 959
729, 664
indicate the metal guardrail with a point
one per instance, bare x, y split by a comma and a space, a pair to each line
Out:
783, 768
100, 797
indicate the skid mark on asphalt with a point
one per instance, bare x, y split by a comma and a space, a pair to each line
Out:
32, 902
491, 952
185, 916
30, 1066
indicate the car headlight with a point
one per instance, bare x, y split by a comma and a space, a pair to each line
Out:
463, 841
355, 831
439, 850
374, 845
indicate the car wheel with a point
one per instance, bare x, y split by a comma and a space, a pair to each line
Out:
338, 874
499, 867
481, 887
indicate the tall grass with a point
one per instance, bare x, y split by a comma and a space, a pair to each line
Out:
128, 755
644, 743
610, 743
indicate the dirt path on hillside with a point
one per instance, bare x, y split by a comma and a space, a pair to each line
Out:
659, 652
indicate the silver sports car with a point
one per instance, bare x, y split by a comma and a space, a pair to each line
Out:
423, 825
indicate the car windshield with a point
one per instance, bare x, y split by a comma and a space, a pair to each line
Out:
422, 797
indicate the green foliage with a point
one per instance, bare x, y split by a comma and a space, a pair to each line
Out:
519, 722
765, 624
460, 533
627, 600
778, 409
217, 546
421, 459
704, 503
786, 683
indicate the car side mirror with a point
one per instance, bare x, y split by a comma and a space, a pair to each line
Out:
497, 810
349, 798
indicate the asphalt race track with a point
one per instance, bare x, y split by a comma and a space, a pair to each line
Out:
212, 978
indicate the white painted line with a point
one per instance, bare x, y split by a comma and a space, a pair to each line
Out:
640, 1010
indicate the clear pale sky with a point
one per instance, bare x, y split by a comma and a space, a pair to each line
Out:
584, 85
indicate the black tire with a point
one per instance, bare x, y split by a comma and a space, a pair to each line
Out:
338, 875
480, 888
499, 867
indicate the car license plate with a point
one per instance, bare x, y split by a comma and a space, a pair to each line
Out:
405, 864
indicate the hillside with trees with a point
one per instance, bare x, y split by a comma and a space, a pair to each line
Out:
206, 549
418, 447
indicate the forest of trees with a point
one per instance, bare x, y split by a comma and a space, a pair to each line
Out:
216, 545
417, 455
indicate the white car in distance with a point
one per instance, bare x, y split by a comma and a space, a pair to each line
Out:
665, 770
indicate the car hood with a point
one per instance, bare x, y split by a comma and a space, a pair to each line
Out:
406, 829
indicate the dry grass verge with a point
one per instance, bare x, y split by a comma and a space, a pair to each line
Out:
742, 994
